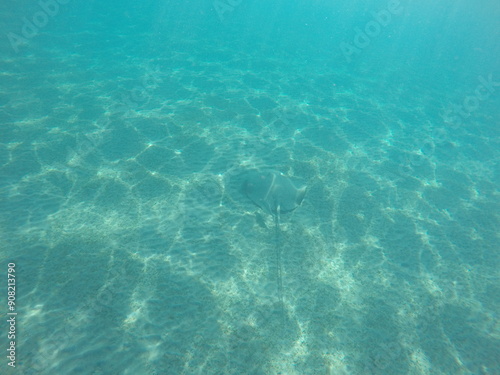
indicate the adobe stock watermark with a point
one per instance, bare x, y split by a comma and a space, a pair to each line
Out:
372, 29
382, 356
225, 6
471, 103
129, 101
455, 118
141, 93
39, 19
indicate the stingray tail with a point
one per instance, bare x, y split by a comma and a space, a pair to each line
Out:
278, 265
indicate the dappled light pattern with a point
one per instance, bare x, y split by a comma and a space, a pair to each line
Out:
136, 256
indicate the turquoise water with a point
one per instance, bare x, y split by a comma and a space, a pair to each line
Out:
126, 127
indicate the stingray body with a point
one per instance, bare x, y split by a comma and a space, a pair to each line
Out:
275, 194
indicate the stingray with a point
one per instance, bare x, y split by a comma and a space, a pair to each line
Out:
275, 194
